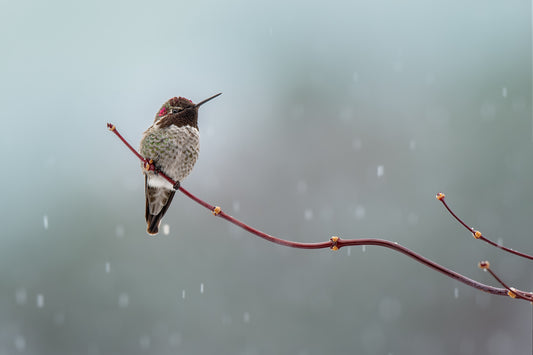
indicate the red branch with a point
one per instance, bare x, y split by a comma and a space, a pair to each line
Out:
511, 291
477, 234
335, 243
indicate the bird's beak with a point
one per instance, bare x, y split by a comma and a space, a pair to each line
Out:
211, 98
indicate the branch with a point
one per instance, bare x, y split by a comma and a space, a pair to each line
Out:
335, 243
477, 234
511, 291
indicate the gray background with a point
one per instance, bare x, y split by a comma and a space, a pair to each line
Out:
317, 98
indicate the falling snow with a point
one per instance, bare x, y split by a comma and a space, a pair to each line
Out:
380, 171
40, 300
20, 343
456, 293
119, 231
166, 229
183, 294
360, 212
504, 92
123, 300
308, 214
202, 287
246, 317
45, 221
107, 267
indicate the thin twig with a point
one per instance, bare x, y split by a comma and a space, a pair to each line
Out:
477, 234
511, 291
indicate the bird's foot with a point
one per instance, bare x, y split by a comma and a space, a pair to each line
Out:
149, 165
177, 186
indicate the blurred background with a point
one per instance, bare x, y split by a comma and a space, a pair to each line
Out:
337, 118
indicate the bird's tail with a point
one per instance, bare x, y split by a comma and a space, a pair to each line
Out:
153, 224
157, 202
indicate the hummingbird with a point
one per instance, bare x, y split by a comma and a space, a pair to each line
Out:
172, 142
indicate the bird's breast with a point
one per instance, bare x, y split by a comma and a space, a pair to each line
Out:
173, 149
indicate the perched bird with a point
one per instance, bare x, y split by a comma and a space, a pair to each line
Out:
172, 143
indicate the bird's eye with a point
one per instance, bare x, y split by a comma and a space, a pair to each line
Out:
175, 110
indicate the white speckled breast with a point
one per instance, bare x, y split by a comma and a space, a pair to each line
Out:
173, 149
